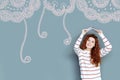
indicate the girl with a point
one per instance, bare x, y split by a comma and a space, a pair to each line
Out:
89, 54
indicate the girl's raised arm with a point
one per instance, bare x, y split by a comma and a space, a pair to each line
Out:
79, 40
108, 47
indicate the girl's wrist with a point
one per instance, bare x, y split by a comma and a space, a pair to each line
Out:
101, 35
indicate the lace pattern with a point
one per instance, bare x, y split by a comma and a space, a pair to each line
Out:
17, 10
102, 10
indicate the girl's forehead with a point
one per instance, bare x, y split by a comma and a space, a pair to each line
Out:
91, 38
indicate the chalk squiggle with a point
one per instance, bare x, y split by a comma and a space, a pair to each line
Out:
27, 59
63, 10
18, 11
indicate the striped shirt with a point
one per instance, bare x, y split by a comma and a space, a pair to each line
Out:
88, 70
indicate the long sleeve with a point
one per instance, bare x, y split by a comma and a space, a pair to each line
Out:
77, 44
108, 47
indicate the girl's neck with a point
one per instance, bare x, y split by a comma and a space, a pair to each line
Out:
88, 49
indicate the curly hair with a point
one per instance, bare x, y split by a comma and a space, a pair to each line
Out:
95, 51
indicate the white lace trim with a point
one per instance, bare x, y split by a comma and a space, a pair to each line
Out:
116, 3
102, 10
17, 3
62, 9
17, 10
100, 3
3, 3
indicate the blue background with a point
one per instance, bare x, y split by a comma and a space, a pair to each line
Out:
51, 59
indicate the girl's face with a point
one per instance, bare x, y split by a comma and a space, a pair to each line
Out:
90, 43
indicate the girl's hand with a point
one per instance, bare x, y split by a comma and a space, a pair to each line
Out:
84, 31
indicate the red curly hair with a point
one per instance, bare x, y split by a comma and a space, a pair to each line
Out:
95, 51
